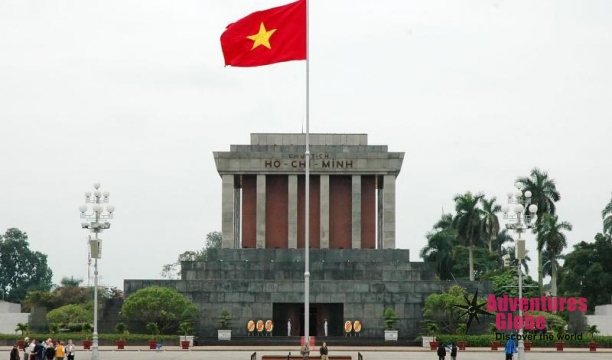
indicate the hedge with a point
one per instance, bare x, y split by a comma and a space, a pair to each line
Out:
80, 337
485, 340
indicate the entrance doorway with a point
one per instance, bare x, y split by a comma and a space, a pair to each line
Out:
294, 313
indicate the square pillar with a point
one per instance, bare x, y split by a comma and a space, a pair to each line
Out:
260, 233
388, 240
237, 212
227, 211
292, 221
356, 212
324, 211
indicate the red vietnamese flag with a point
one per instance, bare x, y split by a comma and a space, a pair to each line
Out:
267, 37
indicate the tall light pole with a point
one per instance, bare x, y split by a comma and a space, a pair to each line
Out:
520, 220
96, 222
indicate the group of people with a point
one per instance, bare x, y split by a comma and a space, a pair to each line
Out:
44, 350
509, 350
305, 351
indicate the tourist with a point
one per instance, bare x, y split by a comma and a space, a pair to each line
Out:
323, 351
510, 349
453, 351
50, 350
59, 351
441, 351
26, 345
39, 350
15, 353
69, 350
31, 350
305, 351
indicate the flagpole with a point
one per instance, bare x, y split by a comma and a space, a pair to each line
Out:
307, 197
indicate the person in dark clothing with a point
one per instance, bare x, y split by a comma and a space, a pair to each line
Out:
15, 353
50, 352
454, 351
323, 351
39, 351
441, 351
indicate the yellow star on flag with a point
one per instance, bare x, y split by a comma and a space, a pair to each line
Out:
262, 37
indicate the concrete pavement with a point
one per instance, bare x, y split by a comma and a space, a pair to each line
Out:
369, 353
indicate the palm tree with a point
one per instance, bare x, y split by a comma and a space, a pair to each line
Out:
445, 222
551, 261
439, 250
550, 237
511, 251
490, 221
71, 282
467, 222
499, 241
606, 214
544, 194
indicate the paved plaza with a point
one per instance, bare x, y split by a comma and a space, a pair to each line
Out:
370, 353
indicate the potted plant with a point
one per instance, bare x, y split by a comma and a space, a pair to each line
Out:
494, 342
153, 329
390, 319
185, 327
224, 333
121, 329
23, 327
432, 329
592, 330
559, 330
462, 330
86, 331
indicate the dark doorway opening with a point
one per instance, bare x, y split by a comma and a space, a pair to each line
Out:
294, 312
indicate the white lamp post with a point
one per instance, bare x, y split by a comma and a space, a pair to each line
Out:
520, 220
96, 221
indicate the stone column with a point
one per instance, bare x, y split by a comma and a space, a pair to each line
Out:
237, 203
356, 212
389, 212
293, 211
227, 211
324, 203
379, 215
260, 219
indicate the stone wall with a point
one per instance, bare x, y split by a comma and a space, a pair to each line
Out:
249, 281
10, 316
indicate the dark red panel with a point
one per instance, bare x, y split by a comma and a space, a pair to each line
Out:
277, 207
315, 214
249, 210
368, 212
340, 214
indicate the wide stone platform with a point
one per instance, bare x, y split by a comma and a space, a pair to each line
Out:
345, 285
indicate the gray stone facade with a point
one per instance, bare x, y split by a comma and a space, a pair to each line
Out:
251, 282
331, 155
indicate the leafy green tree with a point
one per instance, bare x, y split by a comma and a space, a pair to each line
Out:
163, 306
172, 271
490, 222
505, 281
440, 308
587, 271
22, 269
502, 238
468, 222
544, 194
72, 313
484, 261
550, 237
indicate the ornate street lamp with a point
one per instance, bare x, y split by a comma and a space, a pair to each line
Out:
96, 218
520, 220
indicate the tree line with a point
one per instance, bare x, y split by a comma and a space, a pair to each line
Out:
474, 232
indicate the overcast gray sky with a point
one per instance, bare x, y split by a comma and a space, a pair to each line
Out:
134, 94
